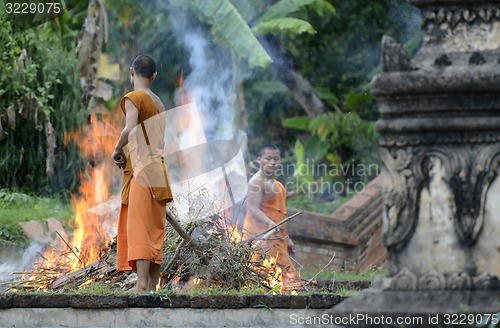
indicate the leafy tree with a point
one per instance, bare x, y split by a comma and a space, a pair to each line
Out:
340, 59
39, 101
334, 52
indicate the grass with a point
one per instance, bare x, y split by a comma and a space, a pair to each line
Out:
329, 274
18, 207
96, 288
316, 204
226, 291
343, 291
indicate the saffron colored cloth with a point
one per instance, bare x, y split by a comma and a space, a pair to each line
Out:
147, 109
141, 229
277, 244
141, 225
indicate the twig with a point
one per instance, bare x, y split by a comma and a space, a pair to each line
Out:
36, 273
83, 264
188, 239
329, 262
42, 256
265, 232
174, 258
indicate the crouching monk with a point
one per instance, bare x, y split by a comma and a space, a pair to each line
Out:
266, 206
145, 186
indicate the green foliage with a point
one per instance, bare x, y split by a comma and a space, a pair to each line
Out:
39, 88
284, 8
268, 88
16, 207
216, 290
143, 27
339, 60
331, 134
283, 25
339, 275
96, 288
316, 204
16, 198
229, 28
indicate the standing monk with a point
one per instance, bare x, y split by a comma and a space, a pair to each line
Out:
145, 186
266, 206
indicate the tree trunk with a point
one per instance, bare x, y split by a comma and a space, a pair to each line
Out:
300, 87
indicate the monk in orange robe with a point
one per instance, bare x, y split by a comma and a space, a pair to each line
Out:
145, 186
266, 206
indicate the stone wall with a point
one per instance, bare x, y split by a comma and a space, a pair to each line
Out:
156, 310
353, 232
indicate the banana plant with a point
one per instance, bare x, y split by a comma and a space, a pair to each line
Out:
237, 25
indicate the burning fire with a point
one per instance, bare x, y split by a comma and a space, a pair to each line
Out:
90, 236
274, 278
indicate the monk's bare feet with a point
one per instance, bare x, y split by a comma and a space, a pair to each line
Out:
152, 288
137, 290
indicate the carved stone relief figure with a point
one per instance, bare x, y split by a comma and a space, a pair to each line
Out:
434, 238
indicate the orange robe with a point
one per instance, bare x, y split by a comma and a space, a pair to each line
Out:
277, 244
141, 226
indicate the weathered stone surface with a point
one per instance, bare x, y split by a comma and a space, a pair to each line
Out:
324, 301
278, 301
219, 301
144, 301
156, 317
163, 301
426, 305
394, 58
351, 235
40, 301
439, 137
175, 301
6, 301
334, 285
98, 301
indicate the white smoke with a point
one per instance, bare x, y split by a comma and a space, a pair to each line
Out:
14, 260
210, 81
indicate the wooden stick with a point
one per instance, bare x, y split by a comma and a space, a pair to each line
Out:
310, 280
270, 233
187, 238
174, 258
267, 231
37, 273
83, 264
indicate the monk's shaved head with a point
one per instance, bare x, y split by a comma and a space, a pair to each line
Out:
267, 147
144, 66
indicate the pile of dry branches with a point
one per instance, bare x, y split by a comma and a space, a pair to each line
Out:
203, 253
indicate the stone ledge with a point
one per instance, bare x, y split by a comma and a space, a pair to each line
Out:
98, 301
36, 300
157, 317
40, 301
324, 301
425, 305
160, 301
278, 301
219, 301
6, 301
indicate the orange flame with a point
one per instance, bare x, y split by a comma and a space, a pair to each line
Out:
183, 95
90, 236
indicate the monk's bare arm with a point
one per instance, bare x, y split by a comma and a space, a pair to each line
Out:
255, 197
131, 120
